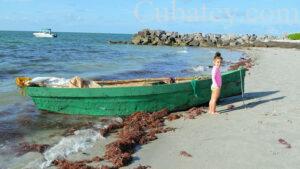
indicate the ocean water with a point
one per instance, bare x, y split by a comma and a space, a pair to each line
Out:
79, 54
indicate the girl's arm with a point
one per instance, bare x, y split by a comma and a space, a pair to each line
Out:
213, 77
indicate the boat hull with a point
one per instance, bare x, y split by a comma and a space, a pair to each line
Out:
123, 101
44, 35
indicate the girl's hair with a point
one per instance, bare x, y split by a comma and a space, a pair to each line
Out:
218, 56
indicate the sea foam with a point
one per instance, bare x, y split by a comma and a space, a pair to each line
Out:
80, 141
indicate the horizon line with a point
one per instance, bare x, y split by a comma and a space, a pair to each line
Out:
2, 30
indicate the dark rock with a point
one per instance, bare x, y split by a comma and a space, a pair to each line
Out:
118, 42
145, 41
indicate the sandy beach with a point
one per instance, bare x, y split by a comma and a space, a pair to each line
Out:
127, 84
243, 137
261, 133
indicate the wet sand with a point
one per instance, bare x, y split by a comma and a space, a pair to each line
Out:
265, 134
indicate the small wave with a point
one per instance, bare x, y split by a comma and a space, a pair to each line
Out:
182, 51
199, 68
2, 147
80, 141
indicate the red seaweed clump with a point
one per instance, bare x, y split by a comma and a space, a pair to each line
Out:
82, 164
142, 167
111, 127
184, 153
26, 147
64, 164
282, 141
194, 112
139, 128
160, 114
108, 167
95, 159
173, 116
246, 63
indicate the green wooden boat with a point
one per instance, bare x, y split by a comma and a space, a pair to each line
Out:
122, 101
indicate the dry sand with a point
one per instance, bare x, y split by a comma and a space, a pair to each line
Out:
240, 138
287, 40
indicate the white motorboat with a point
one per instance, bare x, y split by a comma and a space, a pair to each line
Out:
45, 33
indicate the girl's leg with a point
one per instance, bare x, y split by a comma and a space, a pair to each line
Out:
212, 102
215, 99
209, 105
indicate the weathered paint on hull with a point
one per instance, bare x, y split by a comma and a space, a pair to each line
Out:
123, 101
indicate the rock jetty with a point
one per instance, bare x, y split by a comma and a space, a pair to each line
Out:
159, 37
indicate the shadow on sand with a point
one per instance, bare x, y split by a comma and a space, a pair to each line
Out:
249, 96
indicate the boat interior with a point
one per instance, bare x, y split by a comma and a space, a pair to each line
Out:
146, 82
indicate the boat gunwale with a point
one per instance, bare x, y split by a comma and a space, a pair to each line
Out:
116, 91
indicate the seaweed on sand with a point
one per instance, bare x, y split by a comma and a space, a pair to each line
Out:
173, 116
111, 127
282, 141
142, 167
184, 153
246, 63
65, 164
139, 128
192, 113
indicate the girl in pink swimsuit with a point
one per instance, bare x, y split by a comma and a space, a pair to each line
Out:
216, 83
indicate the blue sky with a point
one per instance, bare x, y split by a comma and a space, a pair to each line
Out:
129, 16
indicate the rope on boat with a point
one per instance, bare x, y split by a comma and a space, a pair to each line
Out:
193, 83
242, 89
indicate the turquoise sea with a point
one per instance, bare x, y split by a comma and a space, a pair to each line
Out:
88, 55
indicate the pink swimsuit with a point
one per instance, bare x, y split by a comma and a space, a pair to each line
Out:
216, 78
